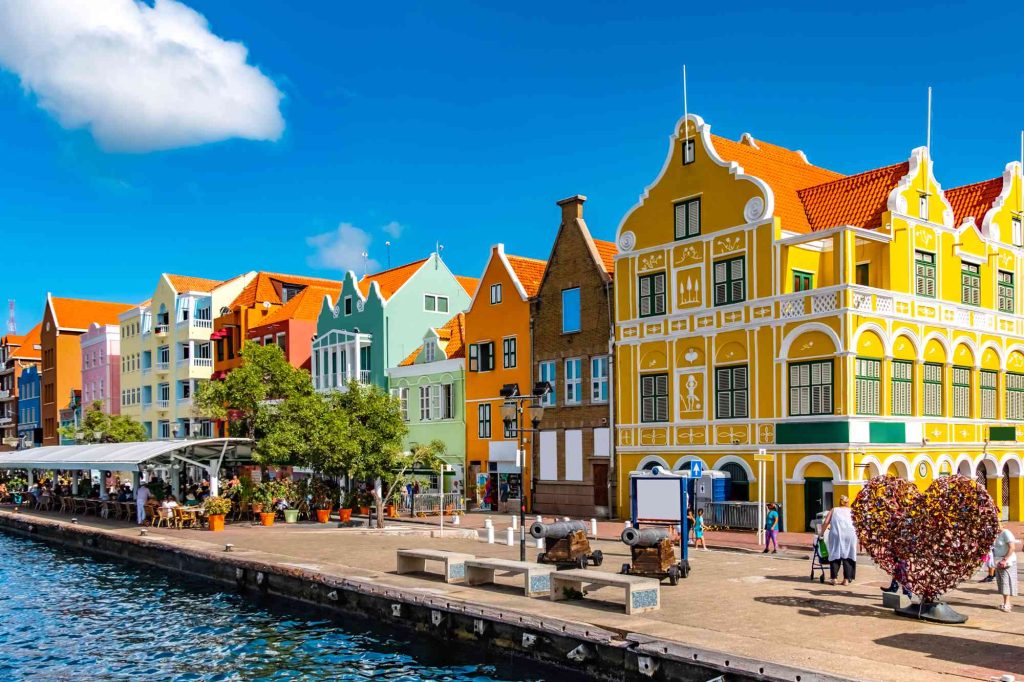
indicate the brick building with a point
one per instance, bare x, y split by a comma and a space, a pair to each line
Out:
573, 318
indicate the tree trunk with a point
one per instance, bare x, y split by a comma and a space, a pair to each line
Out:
378, 498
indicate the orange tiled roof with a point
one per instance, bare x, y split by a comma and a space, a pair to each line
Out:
529, 271
183, 283
261, 288
468, 283
27, 351
454, 332
607, 251
74, 313
858, 200
305, 305
785, 171
391, 280
974, 200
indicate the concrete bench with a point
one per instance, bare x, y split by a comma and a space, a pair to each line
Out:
415, 560
536, 581
642, 594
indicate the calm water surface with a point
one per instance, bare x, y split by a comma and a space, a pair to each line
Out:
70, 617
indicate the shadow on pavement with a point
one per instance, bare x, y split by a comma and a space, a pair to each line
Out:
970, 652
811, 606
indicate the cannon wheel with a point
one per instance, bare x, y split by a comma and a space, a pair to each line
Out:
625, 569
673, 575
581, 562
542, 558
597, 557
684, 569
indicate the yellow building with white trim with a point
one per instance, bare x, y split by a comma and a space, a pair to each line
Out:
849, 325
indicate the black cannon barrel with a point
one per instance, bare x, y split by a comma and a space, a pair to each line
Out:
648, 537
556, 531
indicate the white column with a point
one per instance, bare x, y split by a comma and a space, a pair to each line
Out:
74, 481
357, 360
136, 481
103, 485
31, 476
313, 367
214, 478
175, 475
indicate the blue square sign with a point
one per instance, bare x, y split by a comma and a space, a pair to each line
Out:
696, 470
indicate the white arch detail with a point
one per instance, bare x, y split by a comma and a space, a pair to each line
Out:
908, 471
917, 460
1012, 458
971, 345
883, 336
803, 329
914, 339
865, 473
964, 458
686, 459
995, 349
938, 465
943, 341
651, 459
801, 466
733, 459
993, 468
1009, 351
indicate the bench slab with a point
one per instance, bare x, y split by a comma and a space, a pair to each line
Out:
642, 594
536, 577
414, 561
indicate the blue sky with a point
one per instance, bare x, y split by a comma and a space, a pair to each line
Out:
462, 123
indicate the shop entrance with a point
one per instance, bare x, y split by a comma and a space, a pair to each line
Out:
817, 498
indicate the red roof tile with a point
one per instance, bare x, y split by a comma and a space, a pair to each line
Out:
74, 313
858, 200
974, 200
607, 251
262, 288
28, 350
529, 271
183, 283
305, 305
454, 333
391, 280
468, 283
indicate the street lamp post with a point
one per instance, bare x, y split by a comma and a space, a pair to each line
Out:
512, 414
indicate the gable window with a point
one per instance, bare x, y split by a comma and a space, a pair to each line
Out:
1017, 225
1014, 396
495, 293
922, 207
730, 281
429, 351
483, 423
962, 392
731, 392
802, 281
924, 274
1004, 291
348, 305
689, 148
547, 373
599, 379
652, 294
508, 352
687, 216
433, 303
932, 389
987, 381
570, 310
868, 386
902, 387
970, 283
810, 388
654, 397
573, 381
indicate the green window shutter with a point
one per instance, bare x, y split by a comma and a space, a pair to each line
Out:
902, 387
1014, 396
732, 393
730, 281
868, 385
924, 274
652, 294
932, 389
962, 392
970, 284
654, 398
687, 219
987, 381
1004, 291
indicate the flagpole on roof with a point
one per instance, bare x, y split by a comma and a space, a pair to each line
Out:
928, 141
686, 112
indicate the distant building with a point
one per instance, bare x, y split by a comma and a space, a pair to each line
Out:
70, 419
101, 367
17, 353
30, 429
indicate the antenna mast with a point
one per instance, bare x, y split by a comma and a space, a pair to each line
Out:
12, 325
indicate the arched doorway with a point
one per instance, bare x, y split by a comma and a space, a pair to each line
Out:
1006, 493
738, 487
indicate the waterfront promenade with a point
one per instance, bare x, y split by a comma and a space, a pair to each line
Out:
737, 602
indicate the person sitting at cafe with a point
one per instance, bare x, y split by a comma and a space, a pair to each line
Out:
170, 502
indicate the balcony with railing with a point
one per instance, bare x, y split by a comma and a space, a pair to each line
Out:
162, 366
6, 394
163, 404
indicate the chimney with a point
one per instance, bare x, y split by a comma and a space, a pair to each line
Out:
572, 208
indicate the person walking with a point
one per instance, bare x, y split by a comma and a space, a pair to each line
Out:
698, 531
771, 530
142, 496
1004, 555
841, 542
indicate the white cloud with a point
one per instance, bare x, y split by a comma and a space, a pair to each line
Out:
394, 228
139, 77
342, 249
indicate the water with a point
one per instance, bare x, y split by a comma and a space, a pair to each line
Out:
69, 617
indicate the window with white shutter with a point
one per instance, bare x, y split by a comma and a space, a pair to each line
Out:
987, 381
435, 402
1004, 291
932, 389
652, 294
1014, 396
922, 206
970, 283
654, 398
730, 281
687, 219
962, 392
868, 385
424, 403
732, 392
902, 388
810, 388
924, 274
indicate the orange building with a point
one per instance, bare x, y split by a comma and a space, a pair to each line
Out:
64, 320
497, 353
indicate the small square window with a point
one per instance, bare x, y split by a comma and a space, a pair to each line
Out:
863, 274
689, 150
495, 294
348, 305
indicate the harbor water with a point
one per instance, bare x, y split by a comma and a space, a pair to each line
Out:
65, 616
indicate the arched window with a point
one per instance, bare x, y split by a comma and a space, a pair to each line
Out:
738, 488
650, 466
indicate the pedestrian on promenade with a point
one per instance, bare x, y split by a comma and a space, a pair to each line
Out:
990, 567
698, 531
1004, 554
141, 497
691, 523
771, 530
841, 542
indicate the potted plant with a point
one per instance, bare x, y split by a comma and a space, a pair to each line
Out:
289, 492
391, 509
216, 509
365, 500
322, 502
263, 498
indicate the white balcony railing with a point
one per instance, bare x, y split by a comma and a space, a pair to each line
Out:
202, 324
163, 366
163, 404
4, 395
184, 402
4, 421
202, 362
160, 330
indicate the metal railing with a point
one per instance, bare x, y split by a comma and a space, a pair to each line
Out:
430, 504
162, 404
163, 366
4, 395
741, 515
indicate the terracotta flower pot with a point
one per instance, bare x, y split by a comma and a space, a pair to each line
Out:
216, 522
323, 515
257, 507
267, 518
345, 515
365, 511
391, 512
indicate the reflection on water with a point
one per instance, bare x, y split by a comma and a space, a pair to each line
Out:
68, 617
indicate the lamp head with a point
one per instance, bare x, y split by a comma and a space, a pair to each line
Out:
509, 391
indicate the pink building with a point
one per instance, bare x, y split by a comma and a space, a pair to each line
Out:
101, 367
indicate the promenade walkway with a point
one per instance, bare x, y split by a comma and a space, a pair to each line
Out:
738, 602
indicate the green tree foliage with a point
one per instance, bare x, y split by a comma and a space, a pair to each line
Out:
313, 430
99, 427
264, 375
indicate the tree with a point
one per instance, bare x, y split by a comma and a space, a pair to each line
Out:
265, 375
377, 430
99, 427
313, 430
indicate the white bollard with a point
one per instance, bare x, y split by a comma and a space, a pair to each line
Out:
490, 535
510, 536
627, 524
515, 522
540, 543
566, 519
456, 520
593, 527
488, 523
540, 519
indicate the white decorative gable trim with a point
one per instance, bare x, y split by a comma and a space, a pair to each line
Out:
897, 203
989, 227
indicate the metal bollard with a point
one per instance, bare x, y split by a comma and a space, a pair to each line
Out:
490, 535
456, 520
565, 518
540, 519
510, 536
488, 523
593, 527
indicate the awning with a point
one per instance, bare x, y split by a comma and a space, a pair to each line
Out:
127, 456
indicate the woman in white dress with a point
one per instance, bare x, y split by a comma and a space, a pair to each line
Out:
841, 541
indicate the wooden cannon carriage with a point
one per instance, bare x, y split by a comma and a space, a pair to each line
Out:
653, 555
566, 544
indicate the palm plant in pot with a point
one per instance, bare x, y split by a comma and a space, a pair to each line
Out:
263, 497
289, 492
216, 509
322, 499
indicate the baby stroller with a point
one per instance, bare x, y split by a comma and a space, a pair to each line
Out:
819, 559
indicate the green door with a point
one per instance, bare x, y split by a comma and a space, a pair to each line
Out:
817, 498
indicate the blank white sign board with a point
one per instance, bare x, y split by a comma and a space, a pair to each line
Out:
658, 499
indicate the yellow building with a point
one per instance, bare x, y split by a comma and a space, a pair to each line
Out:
847, 325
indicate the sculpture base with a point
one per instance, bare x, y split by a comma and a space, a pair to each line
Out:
933, 612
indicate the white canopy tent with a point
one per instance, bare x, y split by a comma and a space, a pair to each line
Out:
209, 454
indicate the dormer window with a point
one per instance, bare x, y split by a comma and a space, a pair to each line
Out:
348, 305
429, 352
289, 291
923, 207
689, 150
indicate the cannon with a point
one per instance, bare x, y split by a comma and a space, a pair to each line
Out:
653, 555
567, 544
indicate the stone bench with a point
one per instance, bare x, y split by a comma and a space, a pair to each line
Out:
536, 581
415, 560
642, 594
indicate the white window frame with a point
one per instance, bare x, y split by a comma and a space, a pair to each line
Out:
573, 381
547, 371
599, 379
496, 293
425, 403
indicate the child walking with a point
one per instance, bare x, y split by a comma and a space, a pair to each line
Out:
698, 531
771, 530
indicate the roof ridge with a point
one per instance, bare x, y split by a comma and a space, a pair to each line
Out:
853, 177
397, 267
